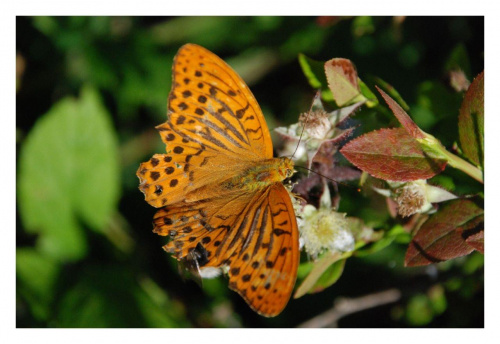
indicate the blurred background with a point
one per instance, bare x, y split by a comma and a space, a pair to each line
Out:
90, 91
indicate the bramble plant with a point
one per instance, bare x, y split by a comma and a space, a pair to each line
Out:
402, 159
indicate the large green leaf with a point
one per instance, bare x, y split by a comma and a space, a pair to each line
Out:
69, 173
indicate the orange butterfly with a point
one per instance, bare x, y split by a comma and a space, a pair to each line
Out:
223, 203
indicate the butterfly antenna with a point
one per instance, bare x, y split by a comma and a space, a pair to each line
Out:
330, 179
301, 134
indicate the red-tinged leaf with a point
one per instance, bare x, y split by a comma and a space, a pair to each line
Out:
444, 235
391, 91
391, 154
473, 233
476, 240
343, 81
402, 116
471, 121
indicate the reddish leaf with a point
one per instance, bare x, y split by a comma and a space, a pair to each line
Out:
444, 235
402, 116
391, 154
476, 240
471, 121
343, 81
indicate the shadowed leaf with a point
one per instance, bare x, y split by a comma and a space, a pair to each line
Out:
471, 122
477, 241
444, 235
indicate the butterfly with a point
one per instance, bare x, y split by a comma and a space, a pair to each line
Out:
218, 187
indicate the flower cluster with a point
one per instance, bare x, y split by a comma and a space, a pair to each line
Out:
324, 229
415, 196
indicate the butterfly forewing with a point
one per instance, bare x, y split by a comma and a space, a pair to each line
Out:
216, 215
211, 101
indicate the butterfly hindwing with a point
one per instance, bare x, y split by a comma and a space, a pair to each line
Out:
264, 272
257, 242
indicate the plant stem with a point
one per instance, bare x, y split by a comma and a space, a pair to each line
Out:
432, 146
464, 166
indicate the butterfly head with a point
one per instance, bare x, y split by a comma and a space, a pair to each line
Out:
286, 167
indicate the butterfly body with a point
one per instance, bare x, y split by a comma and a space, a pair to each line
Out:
218, 187
261, 175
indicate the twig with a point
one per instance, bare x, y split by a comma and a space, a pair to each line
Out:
346, 306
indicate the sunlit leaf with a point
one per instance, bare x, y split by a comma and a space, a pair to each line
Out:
391, 154
68, 172
343, 81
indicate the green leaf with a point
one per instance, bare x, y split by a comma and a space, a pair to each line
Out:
69, 172
314, 71
321, 267
36, 278
471, 122
371, 98
397, 234
330, 276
